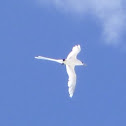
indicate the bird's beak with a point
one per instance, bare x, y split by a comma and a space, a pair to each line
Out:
84, 64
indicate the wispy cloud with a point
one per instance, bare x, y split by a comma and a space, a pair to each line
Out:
110, 13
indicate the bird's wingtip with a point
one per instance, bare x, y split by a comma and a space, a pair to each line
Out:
71, 95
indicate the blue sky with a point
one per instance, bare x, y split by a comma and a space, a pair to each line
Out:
34, 92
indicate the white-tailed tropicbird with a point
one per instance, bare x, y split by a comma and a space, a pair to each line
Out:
71, 61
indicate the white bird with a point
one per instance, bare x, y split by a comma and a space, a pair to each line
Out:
71, 61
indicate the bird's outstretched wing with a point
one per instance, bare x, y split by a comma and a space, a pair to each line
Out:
75, 50
72, 79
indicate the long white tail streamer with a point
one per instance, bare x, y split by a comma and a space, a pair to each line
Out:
46, 58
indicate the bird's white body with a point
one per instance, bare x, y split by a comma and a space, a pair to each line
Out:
71, 61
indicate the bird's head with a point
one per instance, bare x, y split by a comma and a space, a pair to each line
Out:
84, 64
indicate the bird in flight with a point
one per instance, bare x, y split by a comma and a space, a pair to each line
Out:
71, 61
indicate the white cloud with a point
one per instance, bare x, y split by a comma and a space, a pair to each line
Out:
110, 13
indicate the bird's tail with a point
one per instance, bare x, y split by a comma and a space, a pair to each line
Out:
46, 58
